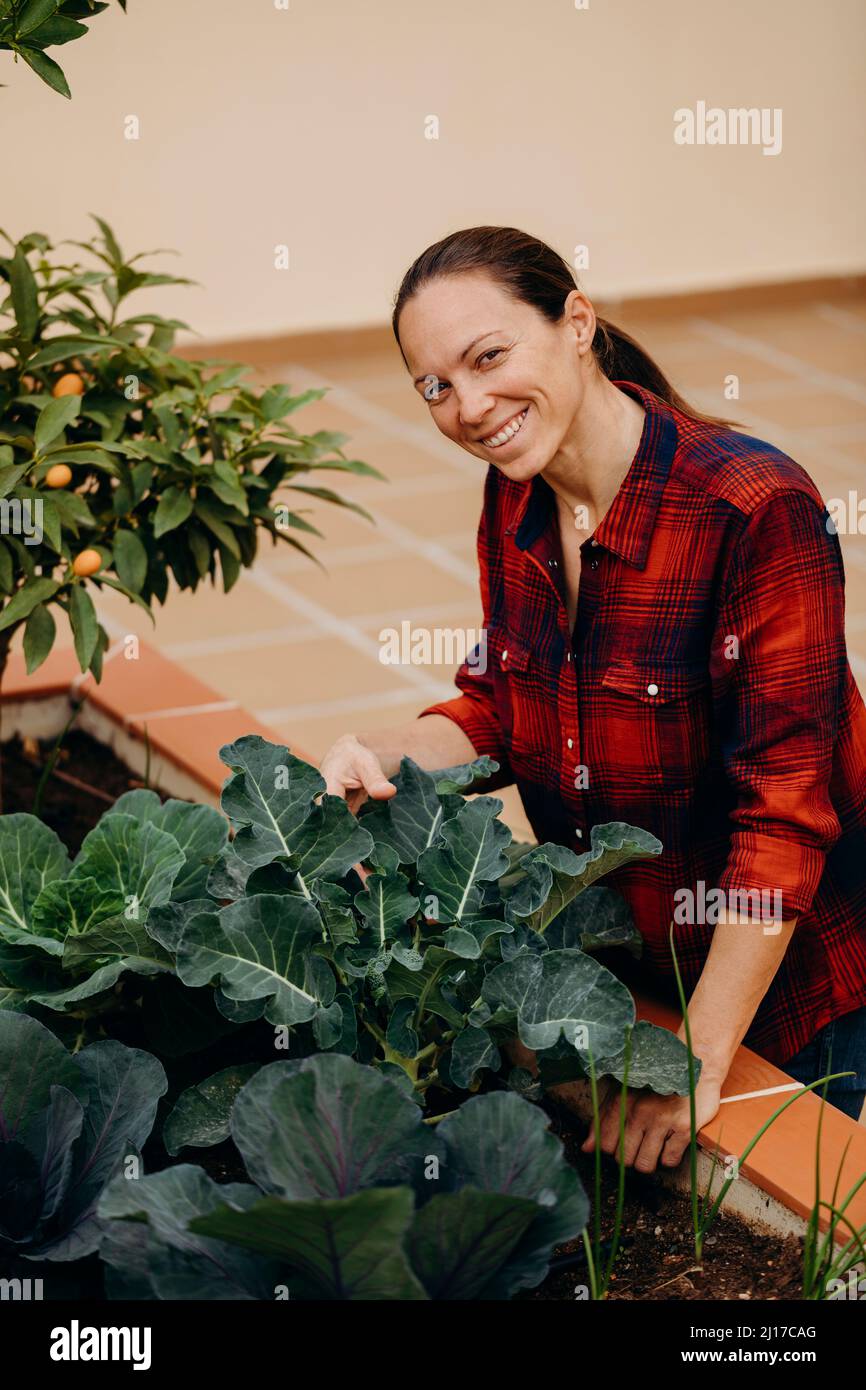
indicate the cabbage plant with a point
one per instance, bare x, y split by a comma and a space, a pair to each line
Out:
67, 1123
351, 1196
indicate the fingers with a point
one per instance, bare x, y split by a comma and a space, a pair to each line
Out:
674, 1148
354, 772
647, 1149
608, 1116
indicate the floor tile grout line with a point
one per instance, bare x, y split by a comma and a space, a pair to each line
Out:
286, 714
842, 318
181, 711
309, 632
777, 357
340, 628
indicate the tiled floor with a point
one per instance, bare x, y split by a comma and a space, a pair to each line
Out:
298, 647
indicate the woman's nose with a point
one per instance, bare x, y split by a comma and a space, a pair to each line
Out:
474, 408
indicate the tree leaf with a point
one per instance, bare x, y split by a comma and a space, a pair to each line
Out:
85, 625
25, 301
22, 603
39, 633
130, 559
173, 508
33, 13
53, 419
127, 593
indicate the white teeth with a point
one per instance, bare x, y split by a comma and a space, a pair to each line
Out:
507, 432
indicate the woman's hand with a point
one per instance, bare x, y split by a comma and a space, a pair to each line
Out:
353, 771
656, 1127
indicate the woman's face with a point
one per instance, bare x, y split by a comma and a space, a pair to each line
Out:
485, 361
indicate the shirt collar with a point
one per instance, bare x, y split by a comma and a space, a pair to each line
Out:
626, 528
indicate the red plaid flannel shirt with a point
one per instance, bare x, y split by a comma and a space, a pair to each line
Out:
704, 695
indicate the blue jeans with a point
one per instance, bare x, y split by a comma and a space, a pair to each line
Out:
845, 1037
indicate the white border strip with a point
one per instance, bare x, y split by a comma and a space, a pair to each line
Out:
769, 1091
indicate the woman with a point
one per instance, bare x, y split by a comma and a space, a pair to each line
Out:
663, 600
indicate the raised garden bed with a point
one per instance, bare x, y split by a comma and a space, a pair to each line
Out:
656, 1261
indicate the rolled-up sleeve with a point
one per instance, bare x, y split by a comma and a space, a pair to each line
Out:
778, 654
475, 709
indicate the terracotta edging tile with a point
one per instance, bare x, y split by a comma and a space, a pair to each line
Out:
782, 1163
187, 722
54, 676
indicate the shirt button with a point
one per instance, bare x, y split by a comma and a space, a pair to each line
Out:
505, 655
579, 834
570, 743
593, 564
568, 656
552, 564
652, 689
593, 543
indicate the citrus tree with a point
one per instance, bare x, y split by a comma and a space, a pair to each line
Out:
123, 464
29, 27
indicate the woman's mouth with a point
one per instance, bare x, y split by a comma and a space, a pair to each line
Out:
507, 432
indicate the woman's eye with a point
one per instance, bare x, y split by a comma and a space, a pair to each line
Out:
490, 353
434, 386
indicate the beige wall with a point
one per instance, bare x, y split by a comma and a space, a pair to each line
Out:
262, 126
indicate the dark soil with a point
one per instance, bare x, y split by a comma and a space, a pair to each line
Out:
70, 810
656, 1260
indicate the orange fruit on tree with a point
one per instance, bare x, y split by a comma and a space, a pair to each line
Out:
60, 475
70, 384
87, 562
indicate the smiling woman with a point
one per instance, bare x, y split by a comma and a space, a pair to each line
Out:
664, 608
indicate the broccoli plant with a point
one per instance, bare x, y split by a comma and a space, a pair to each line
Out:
449, 947
415, 936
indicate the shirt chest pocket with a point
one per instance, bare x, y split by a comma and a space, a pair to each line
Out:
654, 721
514, 675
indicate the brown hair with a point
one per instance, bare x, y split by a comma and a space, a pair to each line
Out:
533, 272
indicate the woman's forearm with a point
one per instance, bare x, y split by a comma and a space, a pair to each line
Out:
739, 969
432, 741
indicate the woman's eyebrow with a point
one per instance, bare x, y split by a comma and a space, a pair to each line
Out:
466, 350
